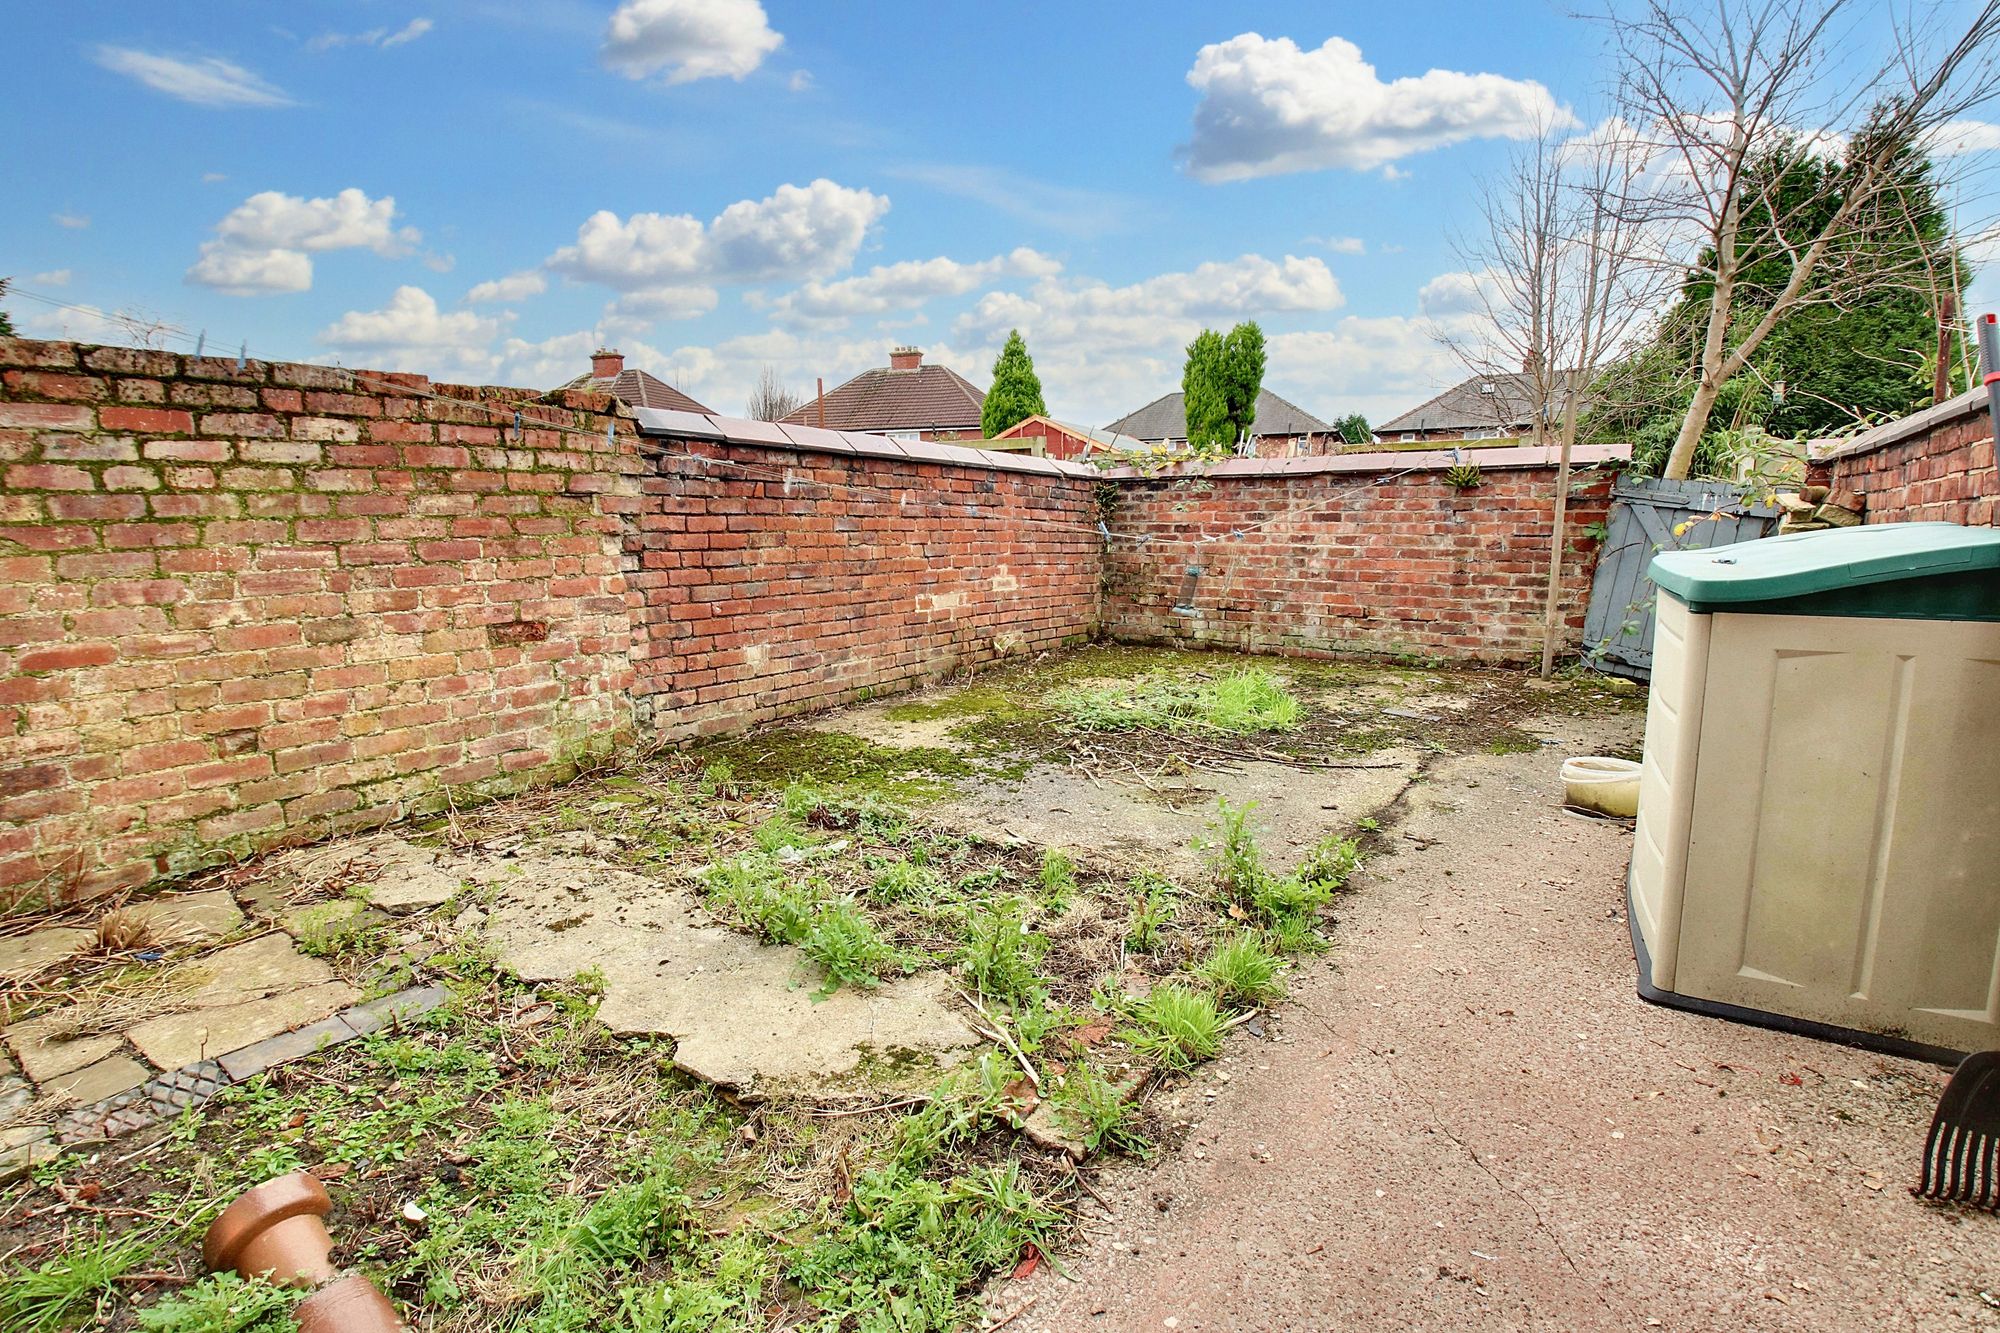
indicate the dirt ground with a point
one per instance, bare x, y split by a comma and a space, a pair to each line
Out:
1471, 1120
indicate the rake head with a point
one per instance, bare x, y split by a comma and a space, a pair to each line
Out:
1959, 1156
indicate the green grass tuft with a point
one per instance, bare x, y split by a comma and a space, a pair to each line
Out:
1243, 970
1177, 1026
1000, 953
1241, 703
71, 1288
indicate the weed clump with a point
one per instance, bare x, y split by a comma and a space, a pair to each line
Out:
1176, 1026
1001, 955
850, 949
1286, 906
1243, 970
1241, 703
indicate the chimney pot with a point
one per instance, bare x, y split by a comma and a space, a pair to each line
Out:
905, 358
606, 363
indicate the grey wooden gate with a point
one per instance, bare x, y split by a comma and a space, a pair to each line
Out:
1649, 516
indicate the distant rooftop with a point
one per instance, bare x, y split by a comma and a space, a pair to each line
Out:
905, 395
1165, 418
1499, 402
609, 374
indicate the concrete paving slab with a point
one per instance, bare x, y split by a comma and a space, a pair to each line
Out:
742, 1014
42, 1059
95, 1082
25, 955
254, 968
409, 878
177, 918
181, 1039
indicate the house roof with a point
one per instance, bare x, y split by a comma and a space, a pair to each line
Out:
1466, 406
924, 397
1166, 419
1101, 438
638, 389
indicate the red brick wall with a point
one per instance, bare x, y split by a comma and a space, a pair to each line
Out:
239, 607
777, 583
1934, 466
1338, 562
242, 605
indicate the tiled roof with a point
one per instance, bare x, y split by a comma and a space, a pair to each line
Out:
922, 398
1468, 406
638, 389
1166, 419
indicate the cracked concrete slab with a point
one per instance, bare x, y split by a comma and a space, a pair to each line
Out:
173, 1040
178, 918
742, 1014
25, 955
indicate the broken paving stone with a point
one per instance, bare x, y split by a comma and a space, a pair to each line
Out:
255, 968
742, 1014
180, 917
184, 1038
106, 1078
15, 1093
25, 955
24, 1147
409, 878
43, 1060
1046, 1129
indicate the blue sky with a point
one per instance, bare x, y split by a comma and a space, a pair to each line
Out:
485, 191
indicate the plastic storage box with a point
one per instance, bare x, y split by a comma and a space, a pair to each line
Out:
1818, 842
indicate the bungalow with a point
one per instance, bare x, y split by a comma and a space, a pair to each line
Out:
1485, 407
906, 397
1280, 429
608, 374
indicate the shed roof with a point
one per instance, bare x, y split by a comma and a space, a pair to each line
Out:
1165, 418
1101, 437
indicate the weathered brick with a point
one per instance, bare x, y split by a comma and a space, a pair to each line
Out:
146, 420
45, 416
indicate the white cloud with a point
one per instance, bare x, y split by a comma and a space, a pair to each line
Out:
206, 81
265, 243
1340, 245
642, 308
1268, 107
53, 278
688, 39
379, 37
89, 324
72, 221
904, 286
1380, 366
799, 232
1965, 136
236, 272
412, 333
212, 177
1453, 294
800, 82
513, 287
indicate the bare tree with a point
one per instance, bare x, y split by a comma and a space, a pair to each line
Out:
770, 399
1566, 277
1732, 96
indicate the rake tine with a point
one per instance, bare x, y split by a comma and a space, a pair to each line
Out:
1987, 1146
1927, 1184
1941, 1186
1960, 1140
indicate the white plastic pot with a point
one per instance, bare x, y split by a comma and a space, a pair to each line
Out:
1601, 783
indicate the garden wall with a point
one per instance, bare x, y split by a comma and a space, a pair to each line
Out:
1352, 553
779, 580
240, 606
1935, 465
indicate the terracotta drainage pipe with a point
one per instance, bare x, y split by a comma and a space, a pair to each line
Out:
274, 1230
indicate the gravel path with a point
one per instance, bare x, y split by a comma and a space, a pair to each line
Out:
1469, 1120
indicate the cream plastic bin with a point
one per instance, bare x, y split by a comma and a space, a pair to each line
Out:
1818, 842
1601, 783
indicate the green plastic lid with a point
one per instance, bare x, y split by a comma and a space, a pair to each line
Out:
1806, 564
